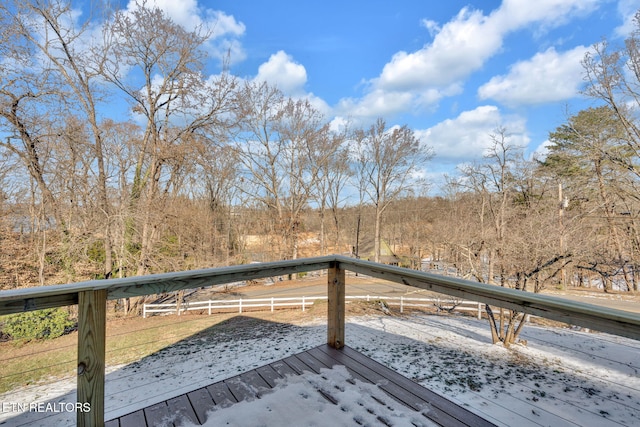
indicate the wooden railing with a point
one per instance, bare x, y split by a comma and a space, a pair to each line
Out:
91, 298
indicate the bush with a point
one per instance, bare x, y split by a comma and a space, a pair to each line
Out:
38, 324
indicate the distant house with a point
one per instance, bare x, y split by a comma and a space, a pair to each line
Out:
366, 251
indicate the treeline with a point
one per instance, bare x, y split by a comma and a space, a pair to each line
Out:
198, 163
203, 166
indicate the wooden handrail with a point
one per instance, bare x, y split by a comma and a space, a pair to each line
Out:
91, 297
28, 299
603, 319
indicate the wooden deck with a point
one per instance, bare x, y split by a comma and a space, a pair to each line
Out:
194, 406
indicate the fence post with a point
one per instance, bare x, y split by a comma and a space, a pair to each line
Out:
303, 303
401, 304
335, 298
240, 306
272, 304
92, 321
209, 307
479, 311
144, 311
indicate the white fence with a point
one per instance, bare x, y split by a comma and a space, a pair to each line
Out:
442, 304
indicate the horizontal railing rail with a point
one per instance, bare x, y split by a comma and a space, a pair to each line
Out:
91, 298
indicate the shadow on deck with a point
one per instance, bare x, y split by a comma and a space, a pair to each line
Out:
195, 406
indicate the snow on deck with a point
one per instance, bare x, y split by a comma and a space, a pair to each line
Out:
562, 377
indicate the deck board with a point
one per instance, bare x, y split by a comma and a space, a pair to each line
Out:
298, 365
311, 362
250, 385
445, 408
282, 368
221, 394
202, 402
397, 392
182, 408
157, 414
269, 374
135, 419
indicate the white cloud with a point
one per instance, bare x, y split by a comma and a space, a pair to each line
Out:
282, 71
184, 12
224, 29
318, 103
461, 45
468, 136
375, 104
514, 14
432, 26
542, 150
627, 10
459, 48
547, 77
222, 24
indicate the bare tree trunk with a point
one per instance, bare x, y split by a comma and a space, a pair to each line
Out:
495, 338
376, 243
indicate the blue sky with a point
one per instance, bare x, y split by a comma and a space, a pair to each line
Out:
453, 71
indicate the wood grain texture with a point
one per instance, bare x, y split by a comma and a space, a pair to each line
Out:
335, 316
92, 309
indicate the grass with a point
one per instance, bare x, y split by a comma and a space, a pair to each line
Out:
128, 340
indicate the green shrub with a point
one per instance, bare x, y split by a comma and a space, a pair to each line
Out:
38, 324
95, 252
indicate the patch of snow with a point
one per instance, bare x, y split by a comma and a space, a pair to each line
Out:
297, 400
562, 377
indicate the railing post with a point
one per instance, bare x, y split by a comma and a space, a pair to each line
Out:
303, 303
335, 314
92, 317
240, 306
401, 304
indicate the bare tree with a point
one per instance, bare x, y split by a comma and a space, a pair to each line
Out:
278, 147
60, 46
333, 173
496, 185
613, 76
217, 180
158, 66
386, 161
26, 87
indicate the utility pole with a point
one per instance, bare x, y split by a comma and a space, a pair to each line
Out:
562, 204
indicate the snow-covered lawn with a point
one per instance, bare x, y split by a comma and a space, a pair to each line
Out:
562, 377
